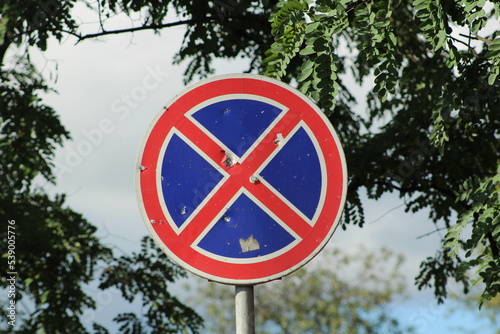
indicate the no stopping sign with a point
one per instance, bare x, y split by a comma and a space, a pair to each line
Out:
241, 179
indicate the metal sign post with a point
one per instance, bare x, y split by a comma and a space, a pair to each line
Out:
244, 307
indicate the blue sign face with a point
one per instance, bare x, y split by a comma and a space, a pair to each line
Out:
245, 228
233, 179
237, 123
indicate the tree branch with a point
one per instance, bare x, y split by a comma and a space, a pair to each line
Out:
432, 232
356, 4
466, 44
476, 36
148, 27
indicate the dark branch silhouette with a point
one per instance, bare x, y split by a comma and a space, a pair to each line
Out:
147, 27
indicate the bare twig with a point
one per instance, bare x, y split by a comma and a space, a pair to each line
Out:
466, 44
432, 232
148, 27
476, 36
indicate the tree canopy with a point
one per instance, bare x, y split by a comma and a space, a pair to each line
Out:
57, 253
430, 132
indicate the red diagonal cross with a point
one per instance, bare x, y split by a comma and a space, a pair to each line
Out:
239, 176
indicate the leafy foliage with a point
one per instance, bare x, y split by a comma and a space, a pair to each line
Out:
435, 272
148, 274
314, 40
437, 95
484, 214
342, 294
56, 254
289, 25
34, 22
57, 251
214, 29
30, 130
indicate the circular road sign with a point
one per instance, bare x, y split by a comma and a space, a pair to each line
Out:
241, 179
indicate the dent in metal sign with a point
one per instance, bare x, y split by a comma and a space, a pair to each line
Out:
234, 185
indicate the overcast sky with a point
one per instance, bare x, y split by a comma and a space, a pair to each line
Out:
110, 90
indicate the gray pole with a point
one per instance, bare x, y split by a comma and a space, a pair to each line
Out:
244, 304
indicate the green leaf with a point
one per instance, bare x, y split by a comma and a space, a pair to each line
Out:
308, 50
475, 15
492, 77
495, 45
305, 73
311, 27
44, 297
28, 281
470, 5
3, 28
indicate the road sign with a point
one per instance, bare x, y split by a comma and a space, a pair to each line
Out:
241, 179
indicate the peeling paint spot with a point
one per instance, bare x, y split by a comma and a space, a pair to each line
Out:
279, 139
227, 219
142, 168
183, 210
254, 179
152, 221
249, 244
